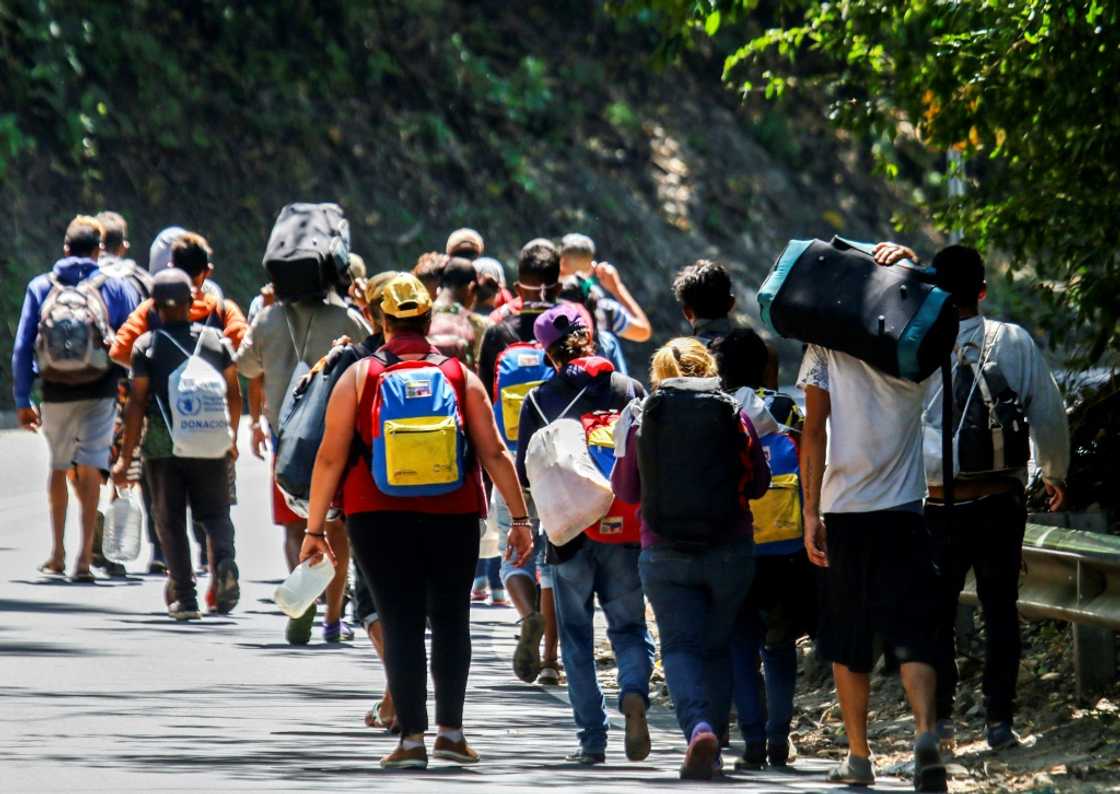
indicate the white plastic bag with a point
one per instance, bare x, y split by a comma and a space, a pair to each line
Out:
570, 492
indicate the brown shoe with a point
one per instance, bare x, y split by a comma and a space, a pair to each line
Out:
459, 752
414, 758
637, 729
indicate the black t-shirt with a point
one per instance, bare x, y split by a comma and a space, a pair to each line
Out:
155, 356
518, 328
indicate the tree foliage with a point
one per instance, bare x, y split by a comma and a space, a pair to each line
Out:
1025, 90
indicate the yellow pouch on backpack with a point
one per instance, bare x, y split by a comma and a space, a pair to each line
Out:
421, 450
513, 397
777, 515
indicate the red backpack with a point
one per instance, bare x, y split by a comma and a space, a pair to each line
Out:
621, 524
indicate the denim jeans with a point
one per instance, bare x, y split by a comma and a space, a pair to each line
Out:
777, 611
770, 717
611, 573
696, 597
536, 568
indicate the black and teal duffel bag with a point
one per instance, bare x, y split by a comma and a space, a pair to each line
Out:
834, 295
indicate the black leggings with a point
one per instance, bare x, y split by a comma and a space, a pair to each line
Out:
420, 567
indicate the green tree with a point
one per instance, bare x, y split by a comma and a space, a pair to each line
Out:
1024, 90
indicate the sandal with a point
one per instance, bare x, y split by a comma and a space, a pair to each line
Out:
51, 570
374, 719
83, 577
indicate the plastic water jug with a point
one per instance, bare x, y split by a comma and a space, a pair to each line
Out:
303, 585
121, 541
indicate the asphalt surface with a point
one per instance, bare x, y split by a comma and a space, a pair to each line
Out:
100, 691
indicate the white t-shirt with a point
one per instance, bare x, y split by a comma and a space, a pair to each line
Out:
874, 459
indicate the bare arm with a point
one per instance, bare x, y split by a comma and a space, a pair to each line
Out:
495, 458
814, 443
639, 329
233, 399
259, 442
133, 421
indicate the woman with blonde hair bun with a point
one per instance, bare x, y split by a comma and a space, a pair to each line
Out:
692, 462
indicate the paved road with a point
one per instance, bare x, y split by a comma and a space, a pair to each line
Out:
101, 692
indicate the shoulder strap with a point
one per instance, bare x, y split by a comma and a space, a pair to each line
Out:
301, 351
173, 341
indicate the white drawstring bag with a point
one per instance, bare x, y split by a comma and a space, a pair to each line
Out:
196, 396
570, 492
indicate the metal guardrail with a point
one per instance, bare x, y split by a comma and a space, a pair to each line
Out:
1072, 576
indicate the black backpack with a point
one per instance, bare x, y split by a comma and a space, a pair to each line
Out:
689, 450
992, 431
834, 295
308, 252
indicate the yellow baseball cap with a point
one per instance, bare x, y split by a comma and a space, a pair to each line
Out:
405, 296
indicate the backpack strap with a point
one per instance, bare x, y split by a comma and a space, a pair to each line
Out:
301, 351
562, 414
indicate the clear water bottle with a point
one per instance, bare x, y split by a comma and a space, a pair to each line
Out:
303, 585
121, 542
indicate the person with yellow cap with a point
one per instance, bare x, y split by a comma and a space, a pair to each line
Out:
412, 499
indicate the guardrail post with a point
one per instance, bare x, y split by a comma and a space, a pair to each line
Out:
1094, 649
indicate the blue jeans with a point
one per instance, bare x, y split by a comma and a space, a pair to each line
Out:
770, 717
611, 573
536, 568
695, 598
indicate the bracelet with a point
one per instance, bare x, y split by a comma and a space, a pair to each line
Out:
524, 521
314, 534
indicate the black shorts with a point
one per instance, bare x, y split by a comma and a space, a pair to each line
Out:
878, 590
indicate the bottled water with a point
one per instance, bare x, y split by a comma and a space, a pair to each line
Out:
303, 585
121, 541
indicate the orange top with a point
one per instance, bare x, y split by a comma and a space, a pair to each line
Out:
232, 322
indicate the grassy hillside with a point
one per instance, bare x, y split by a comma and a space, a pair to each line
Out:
518, 119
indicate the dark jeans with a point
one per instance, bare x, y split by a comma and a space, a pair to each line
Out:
776, 612
985, 535
176, 483
696, 597
420, 567
489, 572
197, 527
609, 572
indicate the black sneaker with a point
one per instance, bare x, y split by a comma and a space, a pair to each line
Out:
114, 570
184, 609
1001, 736
780, 751
754, 756
585, 758
227, 591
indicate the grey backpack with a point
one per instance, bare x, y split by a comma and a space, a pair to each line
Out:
72, 345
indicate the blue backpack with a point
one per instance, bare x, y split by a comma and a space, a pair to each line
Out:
520, 368
419, 444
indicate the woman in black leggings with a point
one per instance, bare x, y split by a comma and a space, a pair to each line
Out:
418, 551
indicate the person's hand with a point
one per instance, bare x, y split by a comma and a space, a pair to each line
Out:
259, 443
233, 451
892, 253
607, 275
315, 547
519, 545
29, 419
268, 295
342, 341
816, 543
1057, 493
120, 472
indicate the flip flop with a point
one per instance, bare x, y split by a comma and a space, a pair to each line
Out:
83, 577
46, 569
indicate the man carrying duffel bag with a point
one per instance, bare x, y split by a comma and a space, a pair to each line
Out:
875, 334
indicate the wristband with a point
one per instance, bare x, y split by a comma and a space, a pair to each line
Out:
524, 521
314, 534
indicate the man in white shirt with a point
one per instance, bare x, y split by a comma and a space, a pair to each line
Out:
864, 527
986, 530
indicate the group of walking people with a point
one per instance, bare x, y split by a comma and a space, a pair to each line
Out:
460, 413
